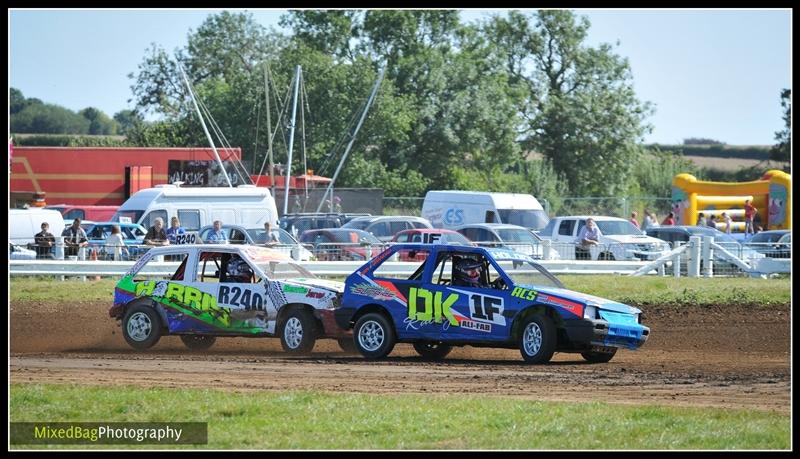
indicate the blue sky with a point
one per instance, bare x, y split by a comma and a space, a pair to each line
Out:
714, 74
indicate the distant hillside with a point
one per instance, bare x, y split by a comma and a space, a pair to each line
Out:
756, 152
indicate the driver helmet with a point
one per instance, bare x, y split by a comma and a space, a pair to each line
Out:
467, 272
239, 271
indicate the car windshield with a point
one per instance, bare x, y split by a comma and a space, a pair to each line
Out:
535, 219
354, 237
525, 272
517, 235
766, 237
284, 270
133, 215
259, 236
618, 228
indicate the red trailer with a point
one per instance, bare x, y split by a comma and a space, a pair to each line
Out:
108, 176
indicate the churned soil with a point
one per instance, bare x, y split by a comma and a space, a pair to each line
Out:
718, 356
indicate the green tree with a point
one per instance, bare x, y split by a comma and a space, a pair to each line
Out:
783, 149
40, 118
581, 111
99, 122
16, 101
127, 120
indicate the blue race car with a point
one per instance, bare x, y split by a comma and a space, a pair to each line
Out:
479, 297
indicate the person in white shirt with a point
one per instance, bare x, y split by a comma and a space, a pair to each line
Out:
116, 244
728, 222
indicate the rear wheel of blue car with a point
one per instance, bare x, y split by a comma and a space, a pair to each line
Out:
298, 332
598, 357
198, 342
373, 336
432, 350
537, 341
141, 327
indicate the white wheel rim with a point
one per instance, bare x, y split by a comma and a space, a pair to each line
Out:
139, 326
371, 336
532, 339
293, 332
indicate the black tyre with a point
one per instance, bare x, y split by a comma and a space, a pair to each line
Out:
141, 327
598, 357
432, 350
537, 339
298, 332
374, 336
347, 345
198, 342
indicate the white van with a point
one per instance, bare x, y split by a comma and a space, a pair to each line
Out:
245, 205
23, 224
451, 209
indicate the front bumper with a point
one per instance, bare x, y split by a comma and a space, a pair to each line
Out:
585, 333
330, 325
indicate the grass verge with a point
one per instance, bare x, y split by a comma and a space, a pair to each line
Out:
650, 290
316, 420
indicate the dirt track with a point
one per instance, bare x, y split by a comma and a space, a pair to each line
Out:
718, 356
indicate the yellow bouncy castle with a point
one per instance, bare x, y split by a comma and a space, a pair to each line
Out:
771, 196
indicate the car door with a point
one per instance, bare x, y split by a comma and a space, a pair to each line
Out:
473, 313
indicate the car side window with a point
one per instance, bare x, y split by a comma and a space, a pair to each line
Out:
151, 217
419, 225
396, 227
209, 267
181, 271
379, 229
581, 224
237, 237
566, 227
402, 238
418, 257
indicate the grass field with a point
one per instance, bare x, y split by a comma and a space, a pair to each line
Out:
314, 420
650, 290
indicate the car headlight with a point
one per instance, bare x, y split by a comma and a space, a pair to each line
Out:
590, 312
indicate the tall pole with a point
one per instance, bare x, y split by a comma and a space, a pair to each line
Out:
269, 136
291, 142
353, 137
216, 154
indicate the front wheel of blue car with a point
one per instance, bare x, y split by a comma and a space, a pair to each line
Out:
373, 336
141, 327
537, 341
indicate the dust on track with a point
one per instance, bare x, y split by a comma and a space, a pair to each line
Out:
719, 356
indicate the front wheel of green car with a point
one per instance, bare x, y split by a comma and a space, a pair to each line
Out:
141, 327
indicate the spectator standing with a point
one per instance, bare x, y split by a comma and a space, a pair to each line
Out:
174, 230
271, 235
116, 244
297, 207
156, 235
74, 238
750, 212
44, 241
649, 220
701, 219
728, 222
670, 220
217, 236
712, 221
337, 204
634, 221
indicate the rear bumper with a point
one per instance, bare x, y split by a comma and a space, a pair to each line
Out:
587, 333
331, 325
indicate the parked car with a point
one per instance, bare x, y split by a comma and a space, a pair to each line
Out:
18, 252
384, 227
773, 243
428, 236
620, 240
132, 235
297, 224
227, 290
336, 244
513, 237
672, 234
237, 234
483, 297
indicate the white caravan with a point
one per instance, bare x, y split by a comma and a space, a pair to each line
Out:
451, 209
196, 207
